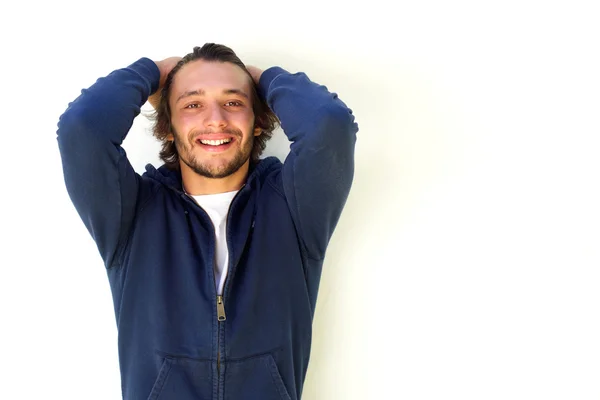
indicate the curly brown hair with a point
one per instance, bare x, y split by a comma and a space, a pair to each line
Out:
264, 117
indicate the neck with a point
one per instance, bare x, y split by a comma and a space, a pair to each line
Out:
197, 185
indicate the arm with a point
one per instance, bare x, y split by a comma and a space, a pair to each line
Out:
318, 172
100, 180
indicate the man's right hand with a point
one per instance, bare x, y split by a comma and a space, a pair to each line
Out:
165, 66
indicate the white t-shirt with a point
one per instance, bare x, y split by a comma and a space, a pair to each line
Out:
217, 206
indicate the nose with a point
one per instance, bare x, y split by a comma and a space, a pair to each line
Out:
215, 117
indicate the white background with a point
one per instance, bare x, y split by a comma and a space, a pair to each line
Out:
466, 264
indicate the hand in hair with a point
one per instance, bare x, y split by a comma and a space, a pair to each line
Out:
165, 66
255, 73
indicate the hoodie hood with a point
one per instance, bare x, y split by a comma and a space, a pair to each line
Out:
172, 178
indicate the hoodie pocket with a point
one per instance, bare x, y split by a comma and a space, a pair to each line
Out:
183, 379
254, 378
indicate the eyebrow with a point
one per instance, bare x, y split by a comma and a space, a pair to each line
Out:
201, 92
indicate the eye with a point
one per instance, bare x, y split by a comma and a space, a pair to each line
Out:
193, 105
233, 103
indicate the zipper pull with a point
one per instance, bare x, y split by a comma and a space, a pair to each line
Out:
220, 309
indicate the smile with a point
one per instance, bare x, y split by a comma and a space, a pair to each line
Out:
215, 142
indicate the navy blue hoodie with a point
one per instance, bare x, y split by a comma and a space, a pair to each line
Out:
177, 340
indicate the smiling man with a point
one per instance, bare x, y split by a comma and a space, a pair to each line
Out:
212, 120
214, 258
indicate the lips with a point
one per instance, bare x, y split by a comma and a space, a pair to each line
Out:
214, 136
215, 143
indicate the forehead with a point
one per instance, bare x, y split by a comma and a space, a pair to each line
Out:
209, 76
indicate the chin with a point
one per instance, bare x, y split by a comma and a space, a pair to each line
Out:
218, 170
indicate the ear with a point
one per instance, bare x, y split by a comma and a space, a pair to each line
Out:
170, 137
257, 131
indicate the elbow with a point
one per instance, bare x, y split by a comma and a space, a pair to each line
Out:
76, 131
80, 122
73, 120
338, 123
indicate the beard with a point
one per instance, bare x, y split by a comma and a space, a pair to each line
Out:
214, 167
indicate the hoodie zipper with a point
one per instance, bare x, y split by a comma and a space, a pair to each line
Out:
220, 304
221, 316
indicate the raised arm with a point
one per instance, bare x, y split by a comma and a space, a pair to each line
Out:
318, 172
100, 180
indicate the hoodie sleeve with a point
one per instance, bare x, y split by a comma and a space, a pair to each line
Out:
318, 171
99, 178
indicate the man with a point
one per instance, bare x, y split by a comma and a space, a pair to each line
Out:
213, 259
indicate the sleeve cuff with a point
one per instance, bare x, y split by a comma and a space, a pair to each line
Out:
148, 70
267, 77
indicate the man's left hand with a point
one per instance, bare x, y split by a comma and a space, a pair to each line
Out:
255, 73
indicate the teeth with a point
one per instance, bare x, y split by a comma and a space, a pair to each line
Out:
215, 142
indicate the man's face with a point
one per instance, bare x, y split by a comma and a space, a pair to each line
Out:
212, 117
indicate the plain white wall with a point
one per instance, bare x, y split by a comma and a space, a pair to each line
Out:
466, 263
